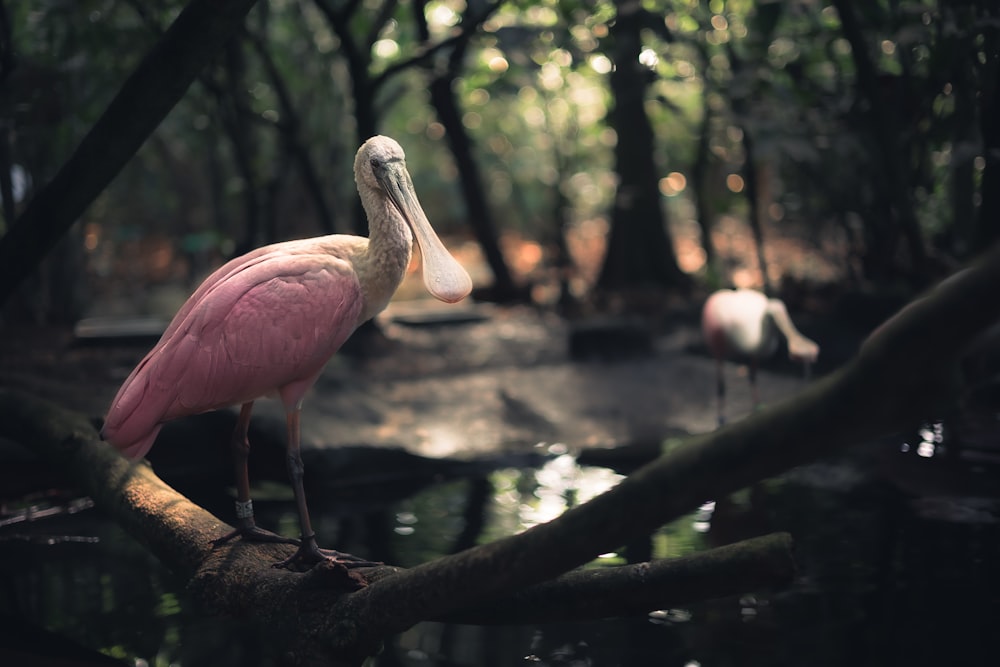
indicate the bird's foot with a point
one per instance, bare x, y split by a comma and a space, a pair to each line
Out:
309, 554
252, 533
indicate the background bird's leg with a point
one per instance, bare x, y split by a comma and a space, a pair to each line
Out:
720, 390
309, 552
754, 392
246, 527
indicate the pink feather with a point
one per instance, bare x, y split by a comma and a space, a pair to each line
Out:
264, 323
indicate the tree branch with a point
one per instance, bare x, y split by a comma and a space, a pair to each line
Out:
463, 33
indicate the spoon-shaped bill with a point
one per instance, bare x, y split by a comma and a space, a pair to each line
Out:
444, 277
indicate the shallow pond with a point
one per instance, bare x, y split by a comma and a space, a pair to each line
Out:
887, 576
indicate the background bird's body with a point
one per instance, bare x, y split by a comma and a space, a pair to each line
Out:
745, 325
736, 326
267, 323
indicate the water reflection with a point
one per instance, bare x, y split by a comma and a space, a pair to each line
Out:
560, 484
929, 438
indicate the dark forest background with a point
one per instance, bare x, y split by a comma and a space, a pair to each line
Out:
564, 149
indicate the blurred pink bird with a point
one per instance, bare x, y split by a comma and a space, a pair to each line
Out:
266, 323
743, 325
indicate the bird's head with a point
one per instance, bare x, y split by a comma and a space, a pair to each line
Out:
380, 167
802, 350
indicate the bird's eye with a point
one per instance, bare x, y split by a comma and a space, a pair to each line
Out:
375, 163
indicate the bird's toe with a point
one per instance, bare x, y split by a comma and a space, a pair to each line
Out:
309, 555
253, 533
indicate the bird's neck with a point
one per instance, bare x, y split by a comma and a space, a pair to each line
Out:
390, 245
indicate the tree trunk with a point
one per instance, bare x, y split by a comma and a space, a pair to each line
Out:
289, 127
362, 86
478, 209
640, 250
160, 80
752, 186
901, 214
234, 108
449, 113
700, 182
988, 221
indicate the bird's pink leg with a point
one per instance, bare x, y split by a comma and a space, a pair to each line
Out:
309, 552
240, 445
245, 525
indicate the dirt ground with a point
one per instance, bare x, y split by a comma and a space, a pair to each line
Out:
449, 381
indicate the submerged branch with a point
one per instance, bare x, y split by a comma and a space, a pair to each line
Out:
609, 592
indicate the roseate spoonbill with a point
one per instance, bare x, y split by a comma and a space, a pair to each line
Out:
267, 322
744, 324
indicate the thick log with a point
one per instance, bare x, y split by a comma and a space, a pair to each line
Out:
317, 612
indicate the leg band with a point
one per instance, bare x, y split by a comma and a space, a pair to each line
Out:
244, 510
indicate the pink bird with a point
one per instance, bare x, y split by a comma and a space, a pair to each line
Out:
266, 323
744, 325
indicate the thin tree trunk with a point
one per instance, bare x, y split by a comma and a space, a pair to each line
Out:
561, 219
289, 127
479, 215
6, 131
233, 105
988, 221
640, 250
886, 137
700, 184
752, 187
358, 61
6, 176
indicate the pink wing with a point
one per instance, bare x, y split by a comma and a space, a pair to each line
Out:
267, 325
